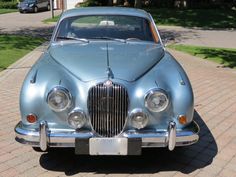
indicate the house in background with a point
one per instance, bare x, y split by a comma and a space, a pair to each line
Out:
70, 4
66, 4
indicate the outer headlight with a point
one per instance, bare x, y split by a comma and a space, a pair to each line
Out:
31, 5
59, 99
156, 100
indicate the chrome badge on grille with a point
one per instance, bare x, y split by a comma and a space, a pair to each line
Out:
108, 83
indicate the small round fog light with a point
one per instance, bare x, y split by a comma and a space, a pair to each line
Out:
139, 119
77, 119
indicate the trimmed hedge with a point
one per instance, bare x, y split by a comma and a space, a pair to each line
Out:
8, 5
7, 1
89, 3
191, 4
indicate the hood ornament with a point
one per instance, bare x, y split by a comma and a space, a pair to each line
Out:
110, 74
108, 83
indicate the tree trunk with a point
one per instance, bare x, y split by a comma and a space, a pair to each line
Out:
138, 3
119, 2
110, 3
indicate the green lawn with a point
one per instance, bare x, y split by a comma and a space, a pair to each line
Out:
14, 47
49, 20
205, 18
4, 11
226, 57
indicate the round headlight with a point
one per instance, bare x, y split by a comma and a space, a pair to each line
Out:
59, 99
156, 101
138, 119
77, 119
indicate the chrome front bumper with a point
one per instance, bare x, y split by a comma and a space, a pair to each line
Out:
45, 137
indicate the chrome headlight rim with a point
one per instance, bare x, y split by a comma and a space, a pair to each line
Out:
151, 93
77, 111
67, 94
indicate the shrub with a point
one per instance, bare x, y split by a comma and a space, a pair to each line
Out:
167, 3
89, 3
6, 1
8, 5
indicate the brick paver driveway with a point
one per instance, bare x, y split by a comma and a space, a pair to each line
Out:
213, 155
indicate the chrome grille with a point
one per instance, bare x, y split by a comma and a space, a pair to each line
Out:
108, 108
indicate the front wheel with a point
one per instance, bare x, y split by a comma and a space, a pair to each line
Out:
36, 9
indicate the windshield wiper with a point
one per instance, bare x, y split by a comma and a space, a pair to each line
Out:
133, 39
109, 38
73, 38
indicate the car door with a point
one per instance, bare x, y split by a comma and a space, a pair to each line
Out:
45, 3
40, 4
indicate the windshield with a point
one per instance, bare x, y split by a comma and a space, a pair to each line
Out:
106, 27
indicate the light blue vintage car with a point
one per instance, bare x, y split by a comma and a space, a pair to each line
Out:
106, 86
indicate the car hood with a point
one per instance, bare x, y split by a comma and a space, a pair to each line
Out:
95, 60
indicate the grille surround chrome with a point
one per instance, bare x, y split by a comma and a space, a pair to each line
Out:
108, 108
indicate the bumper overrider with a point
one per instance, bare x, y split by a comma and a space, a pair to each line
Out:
127, 143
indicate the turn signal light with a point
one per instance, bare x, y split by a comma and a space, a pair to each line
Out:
31, 118
182, 119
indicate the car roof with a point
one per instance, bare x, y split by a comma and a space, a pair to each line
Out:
105, 11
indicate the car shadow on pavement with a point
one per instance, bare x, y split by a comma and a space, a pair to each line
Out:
182, 159
170, 36
41, 32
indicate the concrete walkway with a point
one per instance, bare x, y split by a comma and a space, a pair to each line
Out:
16, 21
31, 24
213, 155
27, 24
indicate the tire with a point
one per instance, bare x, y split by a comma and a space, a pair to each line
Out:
37, 149
36, 9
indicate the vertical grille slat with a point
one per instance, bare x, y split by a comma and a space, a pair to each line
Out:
108, 108
116, 113
99, 122
120, 108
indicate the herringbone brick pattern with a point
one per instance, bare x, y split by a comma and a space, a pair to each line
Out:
214, 155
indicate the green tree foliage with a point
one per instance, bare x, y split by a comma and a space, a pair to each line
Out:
8, 4
164, 3
138, 3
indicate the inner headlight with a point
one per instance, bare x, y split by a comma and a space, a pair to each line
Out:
59, 99
156, 100
77, 119
138, 119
